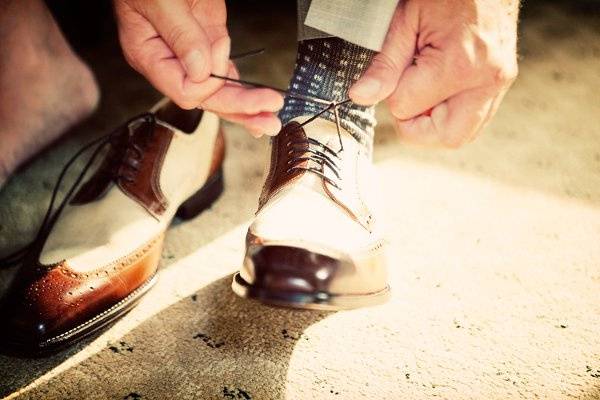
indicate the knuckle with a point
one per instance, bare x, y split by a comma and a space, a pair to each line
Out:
393, 105
501, 75
385, 62
489, 60
138, 57
130, 57
176, 36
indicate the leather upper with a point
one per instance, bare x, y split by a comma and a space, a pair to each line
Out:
108, 240
299, 205
316, 233
127, 214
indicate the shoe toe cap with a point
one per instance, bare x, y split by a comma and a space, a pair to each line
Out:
291, 269
311, 218
23, 328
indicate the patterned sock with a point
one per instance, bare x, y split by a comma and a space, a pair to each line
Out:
326, 68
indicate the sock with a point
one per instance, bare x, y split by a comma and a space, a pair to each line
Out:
327, 68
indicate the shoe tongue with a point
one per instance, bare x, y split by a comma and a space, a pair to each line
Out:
144, 130
323, 131
139, 126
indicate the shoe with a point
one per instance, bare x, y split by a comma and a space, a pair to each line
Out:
95, 260
315, 242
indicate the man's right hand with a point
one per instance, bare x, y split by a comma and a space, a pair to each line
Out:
177, 44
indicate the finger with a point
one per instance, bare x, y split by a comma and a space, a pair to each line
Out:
176, 25
134, 32
157, 62
212, 15
432, 79
397, 52
452, 122
233, 72
257, 125
235, 99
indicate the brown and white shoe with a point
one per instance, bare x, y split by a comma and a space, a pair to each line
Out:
315, 242
95, 258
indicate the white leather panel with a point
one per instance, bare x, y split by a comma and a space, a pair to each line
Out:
303, 212
187, 162
92, 235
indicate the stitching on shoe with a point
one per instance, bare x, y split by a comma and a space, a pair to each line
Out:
133, 256
102, 314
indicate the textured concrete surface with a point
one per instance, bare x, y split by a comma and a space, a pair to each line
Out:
494, 254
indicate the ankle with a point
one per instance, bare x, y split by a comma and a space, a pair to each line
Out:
327, 68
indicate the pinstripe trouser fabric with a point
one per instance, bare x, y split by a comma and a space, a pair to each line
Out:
362, 22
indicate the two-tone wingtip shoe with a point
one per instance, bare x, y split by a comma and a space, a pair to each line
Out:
100, 254
315, 241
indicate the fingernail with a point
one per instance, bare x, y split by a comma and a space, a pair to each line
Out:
367, 87
194, 63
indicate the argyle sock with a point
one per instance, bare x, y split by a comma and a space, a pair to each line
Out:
327, 68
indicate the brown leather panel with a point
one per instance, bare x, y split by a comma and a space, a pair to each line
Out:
218, 153
145, 187
292, 269
99, 183
143, 166
46, 301
279, 173
150, 197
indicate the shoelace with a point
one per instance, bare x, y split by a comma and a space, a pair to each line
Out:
130, 163
317, 151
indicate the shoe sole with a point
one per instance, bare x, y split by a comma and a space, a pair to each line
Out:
309, 301
198, 202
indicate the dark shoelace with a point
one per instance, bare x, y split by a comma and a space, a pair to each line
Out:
51, 216
318, 152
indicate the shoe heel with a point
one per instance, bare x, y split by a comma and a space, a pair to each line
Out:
203, 198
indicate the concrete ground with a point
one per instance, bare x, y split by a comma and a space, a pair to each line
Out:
494, 252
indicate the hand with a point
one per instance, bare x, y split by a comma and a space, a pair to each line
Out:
177, 44
444, 68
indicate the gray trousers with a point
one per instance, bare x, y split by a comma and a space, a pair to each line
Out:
362, 22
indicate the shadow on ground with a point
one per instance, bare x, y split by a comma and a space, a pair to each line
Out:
212, 337
218, 346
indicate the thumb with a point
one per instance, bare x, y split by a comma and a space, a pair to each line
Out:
397, 52
178, 28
